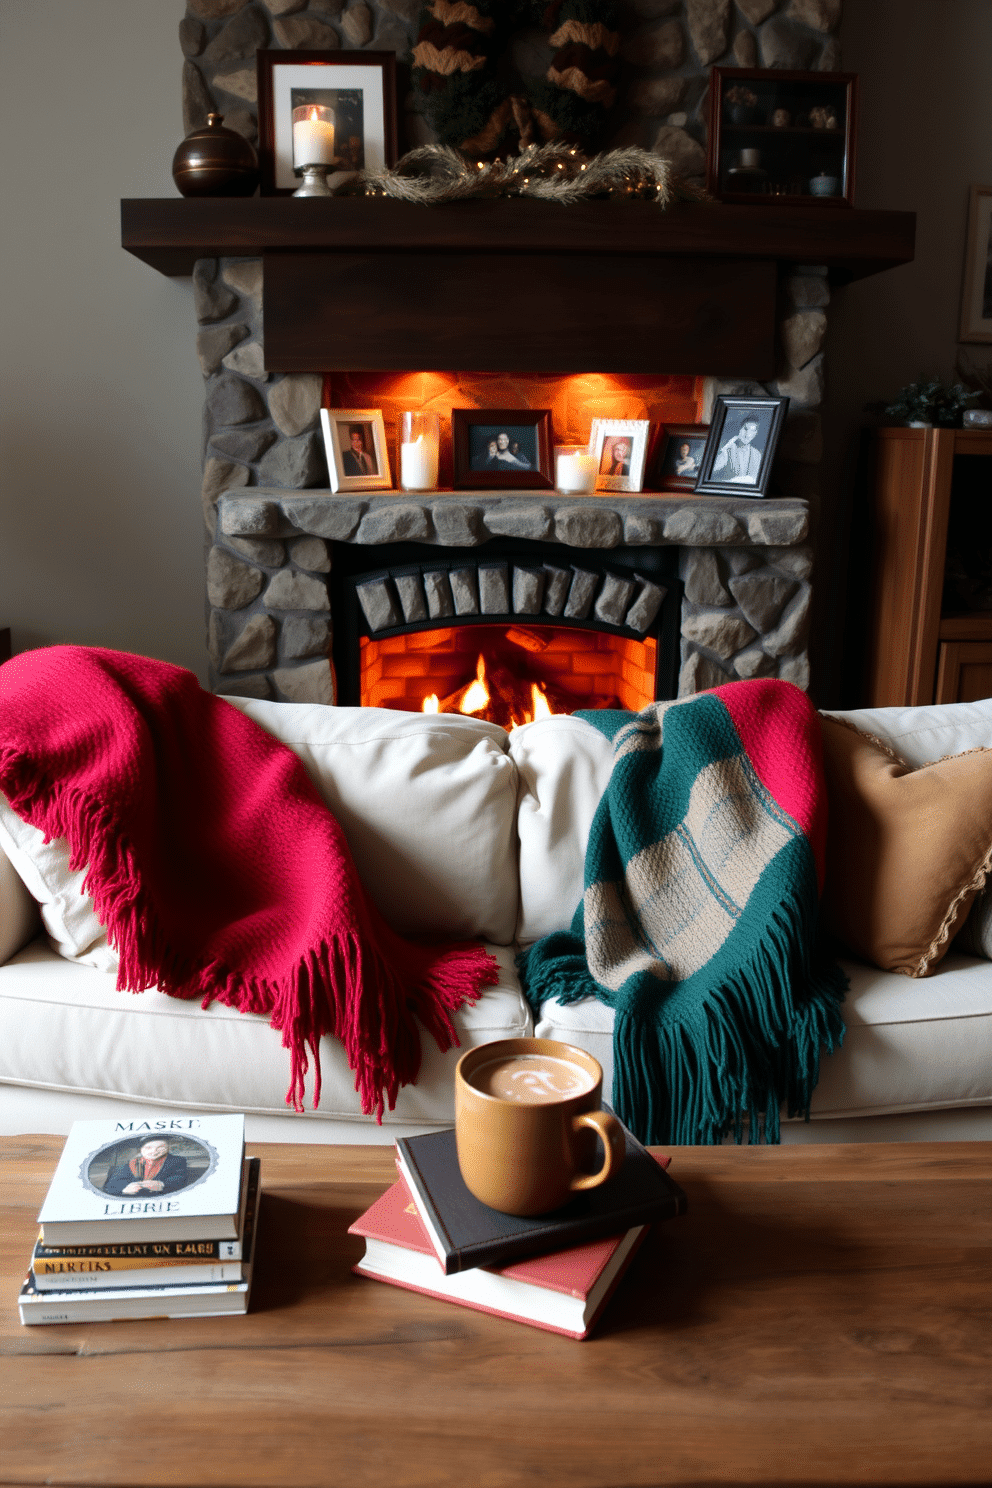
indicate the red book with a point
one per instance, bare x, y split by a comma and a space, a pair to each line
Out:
564, 1292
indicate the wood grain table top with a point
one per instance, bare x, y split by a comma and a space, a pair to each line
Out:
823, 1314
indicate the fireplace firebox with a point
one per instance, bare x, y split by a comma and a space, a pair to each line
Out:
506, 632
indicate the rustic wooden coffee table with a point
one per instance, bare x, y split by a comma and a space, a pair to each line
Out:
821, 1315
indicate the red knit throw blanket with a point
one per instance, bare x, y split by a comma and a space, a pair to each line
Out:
216, 867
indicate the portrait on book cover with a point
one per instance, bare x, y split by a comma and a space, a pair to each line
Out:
149, 1165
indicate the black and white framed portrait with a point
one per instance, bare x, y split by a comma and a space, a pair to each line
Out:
740, 450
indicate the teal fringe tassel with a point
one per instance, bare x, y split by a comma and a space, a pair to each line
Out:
732, 1045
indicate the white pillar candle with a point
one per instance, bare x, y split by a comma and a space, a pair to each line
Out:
575, 471
418, 465
313, 138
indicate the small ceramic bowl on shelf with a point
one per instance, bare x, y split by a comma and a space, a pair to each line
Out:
824, 185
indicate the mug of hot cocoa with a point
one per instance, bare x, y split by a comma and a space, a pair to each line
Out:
527, 1115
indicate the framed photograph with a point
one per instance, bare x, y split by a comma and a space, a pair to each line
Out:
740, 450
976, 286
355, 444
775, 133
354, 92
501, 449
620, 447
680, 456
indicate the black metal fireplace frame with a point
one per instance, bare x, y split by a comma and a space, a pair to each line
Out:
353, 564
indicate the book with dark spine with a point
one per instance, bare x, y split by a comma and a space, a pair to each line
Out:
467, 1233
562, 1293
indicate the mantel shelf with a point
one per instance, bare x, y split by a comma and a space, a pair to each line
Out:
171, 235
601, 286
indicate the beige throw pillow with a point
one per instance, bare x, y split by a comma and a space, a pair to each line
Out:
907, 849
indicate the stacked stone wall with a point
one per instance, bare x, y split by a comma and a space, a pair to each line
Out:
262, 429
668, 47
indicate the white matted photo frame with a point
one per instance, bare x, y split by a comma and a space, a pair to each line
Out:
355, 445
740, 451
359, 90
976, 284
621, 448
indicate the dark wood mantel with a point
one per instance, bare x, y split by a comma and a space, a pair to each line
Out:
604, 286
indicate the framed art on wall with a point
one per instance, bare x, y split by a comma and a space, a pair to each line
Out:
355, 92
680, 456
976, 286
508, 448
620, 447
355, 445
740, 449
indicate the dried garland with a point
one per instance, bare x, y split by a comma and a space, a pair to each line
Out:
437, 173
458, 71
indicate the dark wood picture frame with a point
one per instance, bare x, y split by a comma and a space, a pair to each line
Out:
976, 282
268, 60
769, 415
663, 476
791, 153
469, 426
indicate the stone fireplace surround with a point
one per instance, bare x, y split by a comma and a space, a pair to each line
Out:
745, 565
272, 525
271, 530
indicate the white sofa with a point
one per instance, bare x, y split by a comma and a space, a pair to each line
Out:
463, 830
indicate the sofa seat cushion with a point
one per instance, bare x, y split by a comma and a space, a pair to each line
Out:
66, 1028
909, 1045
428, 804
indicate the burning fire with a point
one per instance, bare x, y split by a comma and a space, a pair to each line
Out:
476, 700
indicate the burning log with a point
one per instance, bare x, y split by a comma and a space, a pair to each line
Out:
501, 695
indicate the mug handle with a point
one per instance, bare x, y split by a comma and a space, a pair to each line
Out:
610, 1133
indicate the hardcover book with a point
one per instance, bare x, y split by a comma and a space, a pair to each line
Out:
55, 1270
563, 1293
110, 1304
466, 1232
173, 1178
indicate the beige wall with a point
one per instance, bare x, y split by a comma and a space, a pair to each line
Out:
925, 137
101, 395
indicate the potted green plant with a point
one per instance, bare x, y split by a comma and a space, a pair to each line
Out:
922, 404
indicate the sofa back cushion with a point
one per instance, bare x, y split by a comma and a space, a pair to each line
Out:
67, 913
564, 766
19, 917
427, 803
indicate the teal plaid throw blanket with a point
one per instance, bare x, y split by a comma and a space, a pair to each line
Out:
698, 923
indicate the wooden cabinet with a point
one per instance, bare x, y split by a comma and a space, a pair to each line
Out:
929, 641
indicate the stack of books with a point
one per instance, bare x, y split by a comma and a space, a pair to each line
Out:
429, 1234
146, 1219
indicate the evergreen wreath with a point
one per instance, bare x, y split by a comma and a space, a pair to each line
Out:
459, 71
